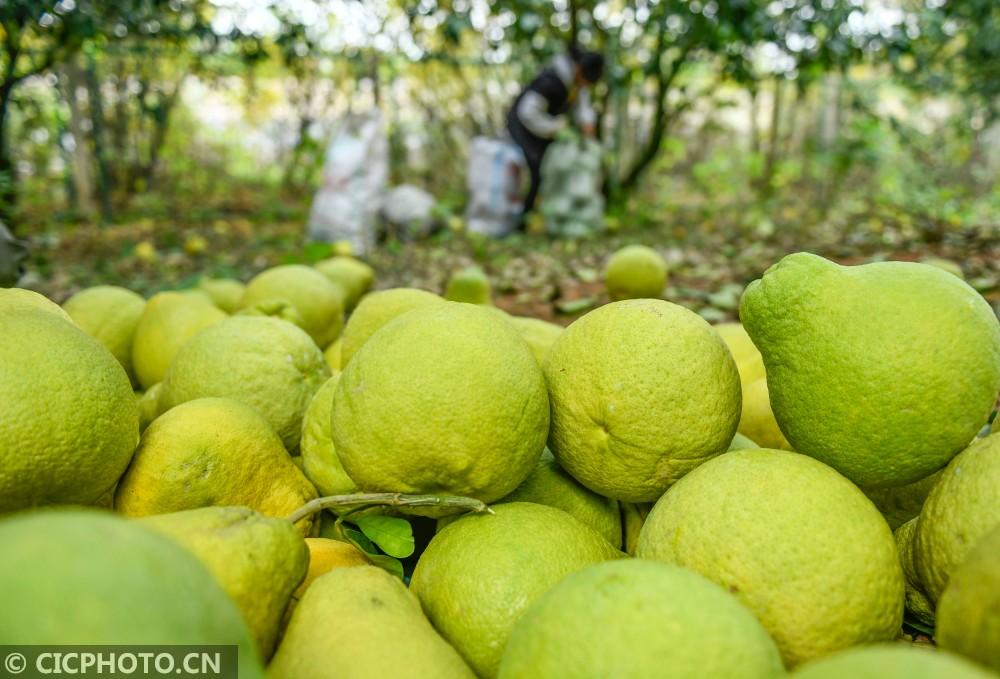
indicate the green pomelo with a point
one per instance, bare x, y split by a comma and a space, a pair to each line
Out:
795, 541
968, 620
469, 285
375, 310
168, 321
479, 574
549, 484
884, 661
68, 420
444, 400
319, 302
320, 461
963, 507
635, 619
266, 363
110, 315
635, 272
540, 335
642, 392
353, 276
258, 561
362, 622
883, 371
90, 577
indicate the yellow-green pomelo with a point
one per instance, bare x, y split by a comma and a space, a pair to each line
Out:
332, 354
264, 362
358, 623
748, 359
212, 452
633, 516
273, 307
319, 457
757, 420
12, 299
540, 335
945, 265
892, 661
468, 285
917, 603
968, 620
72, 576
68, 420
636, 619
377, 309
326, 554
963, 506
901, 503
259, 561
354, 277
168, 321
110, 315
225, 293
634, 272
319, 302
741, 442
795, 541
883, 371
642, 391
549, 484
479, 574
149, 406
444, 400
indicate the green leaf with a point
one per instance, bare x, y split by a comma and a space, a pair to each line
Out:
728, 297
314, 252
576, 305
711, 314
358, 539
388, 563
391, 533
919, 626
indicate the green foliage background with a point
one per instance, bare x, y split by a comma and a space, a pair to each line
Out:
854, 126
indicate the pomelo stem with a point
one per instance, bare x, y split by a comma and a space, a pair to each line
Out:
469, 504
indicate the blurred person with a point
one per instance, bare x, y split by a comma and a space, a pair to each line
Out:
540, 111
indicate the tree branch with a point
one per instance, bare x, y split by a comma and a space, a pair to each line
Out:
664, 81
389, 500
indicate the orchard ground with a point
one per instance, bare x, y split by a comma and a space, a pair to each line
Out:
712, 254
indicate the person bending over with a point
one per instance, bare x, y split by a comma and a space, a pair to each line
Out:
540, 111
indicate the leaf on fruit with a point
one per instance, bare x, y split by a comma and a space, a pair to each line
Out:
387, 563
393, 535
919, 626
574, 306
358, 539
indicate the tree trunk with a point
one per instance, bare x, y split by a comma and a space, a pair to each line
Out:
830, 111
161, 126
660, 117
773, 140
97, 135
81, 164
119, 125
792, 120
8, 188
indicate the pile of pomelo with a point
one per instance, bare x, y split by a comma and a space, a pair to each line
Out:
355, 483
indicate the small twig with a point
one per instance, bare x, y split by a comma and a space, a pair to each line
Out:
389, 500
